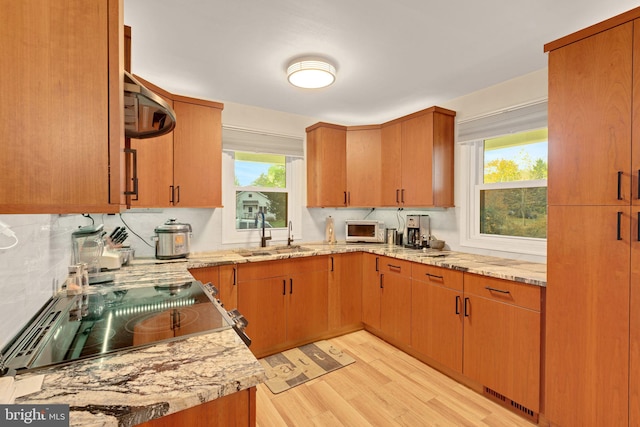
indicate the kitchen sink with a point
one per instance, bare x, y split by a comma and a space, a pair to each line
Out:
275, 250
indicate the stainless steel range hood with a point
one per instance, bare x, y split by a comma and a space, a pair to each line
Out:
146, 115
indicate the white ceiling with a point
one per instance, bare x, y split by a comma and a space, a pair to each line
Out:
393, 56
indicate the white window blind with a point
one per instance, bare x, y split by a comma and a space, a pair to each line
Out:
251, 141
517, 119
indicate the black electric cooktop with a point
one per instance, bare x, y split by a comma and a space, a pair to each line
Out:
86, 326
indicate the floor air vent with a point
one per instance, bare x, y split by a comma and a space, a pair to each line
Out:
510, 404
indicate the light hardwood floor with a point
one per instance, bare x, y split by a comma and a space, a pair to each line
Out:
385, 387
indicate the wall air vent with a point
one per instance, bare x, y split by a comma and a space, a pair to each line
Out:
511, 405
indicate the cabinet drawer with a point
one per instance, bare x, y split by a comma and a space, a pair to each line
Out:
396, 266
306, 264
446, 277
520, 294
260, 270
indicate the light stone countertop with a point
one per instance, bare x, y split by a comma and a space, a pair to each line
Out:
124, 389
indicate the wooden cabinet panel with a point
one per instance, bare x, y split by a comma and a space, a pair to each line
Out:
587, 316
237, 410
502, 349
437, 317
417, 161
345, 290
224, 279
391, 164
395, 300
326, 165
197, 155
590, 119
363, 167
505, 291
308, 309
448, 278
634, 322
62, 79
264, 303
371, 290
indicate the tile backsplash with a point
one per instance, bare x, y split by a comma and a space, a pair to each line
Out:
33, 269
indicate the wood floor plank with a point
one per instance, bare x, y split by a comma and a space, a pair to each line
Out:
385, 387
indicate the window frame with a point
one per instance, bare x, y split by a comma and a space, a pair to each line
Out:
294, 176
472, 160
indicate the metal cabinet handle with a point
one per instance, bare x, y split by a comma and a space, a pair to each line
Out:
331, 263
134, 177
235, 276
345, 198
466, 307
348, 197
290, 286
502, 291
457, 304
402, 196
377, 264
619, 225
284, 287
382, 281
171, 199
397, 195
178, 201
397, 267
434, 276
619, 185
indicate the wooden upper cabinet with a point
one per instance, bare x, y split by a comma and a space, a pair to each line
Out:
197, 154
590, 89
326, 165
363, 166
406, 162
181, 168
635, 131
62, 111
391, 161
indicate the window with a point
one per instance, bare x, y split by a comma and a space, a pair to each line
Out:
261, 188
262, 174
504, 168
512, 196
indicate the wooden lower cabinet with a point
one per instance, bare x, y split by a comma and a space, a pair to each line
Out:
235, 410
437, 314
395, 300
223, 277
371, 290
345, 290
285, 302
502, 321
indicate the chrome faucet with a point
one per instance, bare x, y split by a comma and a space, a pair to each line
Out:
263, 238
290, 237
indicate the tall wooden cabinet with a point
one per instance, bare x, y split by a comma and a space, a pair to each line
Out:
592, 329
62, 110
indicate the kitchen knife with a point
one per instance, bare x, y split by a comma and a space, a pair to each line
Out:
121, 237
114, 232
116, 236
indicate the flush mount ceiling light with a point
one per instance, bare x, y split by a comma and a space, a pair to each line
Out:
311, 73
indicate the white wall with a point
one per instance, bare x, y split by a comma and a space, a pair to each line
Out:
39, 262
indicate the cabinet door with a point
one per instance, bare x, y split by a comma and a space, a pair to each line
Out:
371, 290
590, 107
502, 349
326, 167
155, 172
363, 167
345, 290
395, 305
229, 286
436, 323
263, 302
417, 161
634, 322
197, 155
57, 96
391, 164
587, 316
308, 306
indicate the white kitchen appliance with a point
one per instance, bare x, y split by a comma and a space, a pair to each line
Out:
365, 231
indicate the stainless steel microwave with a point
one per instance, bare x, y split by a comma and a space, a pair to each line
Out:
367, 231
